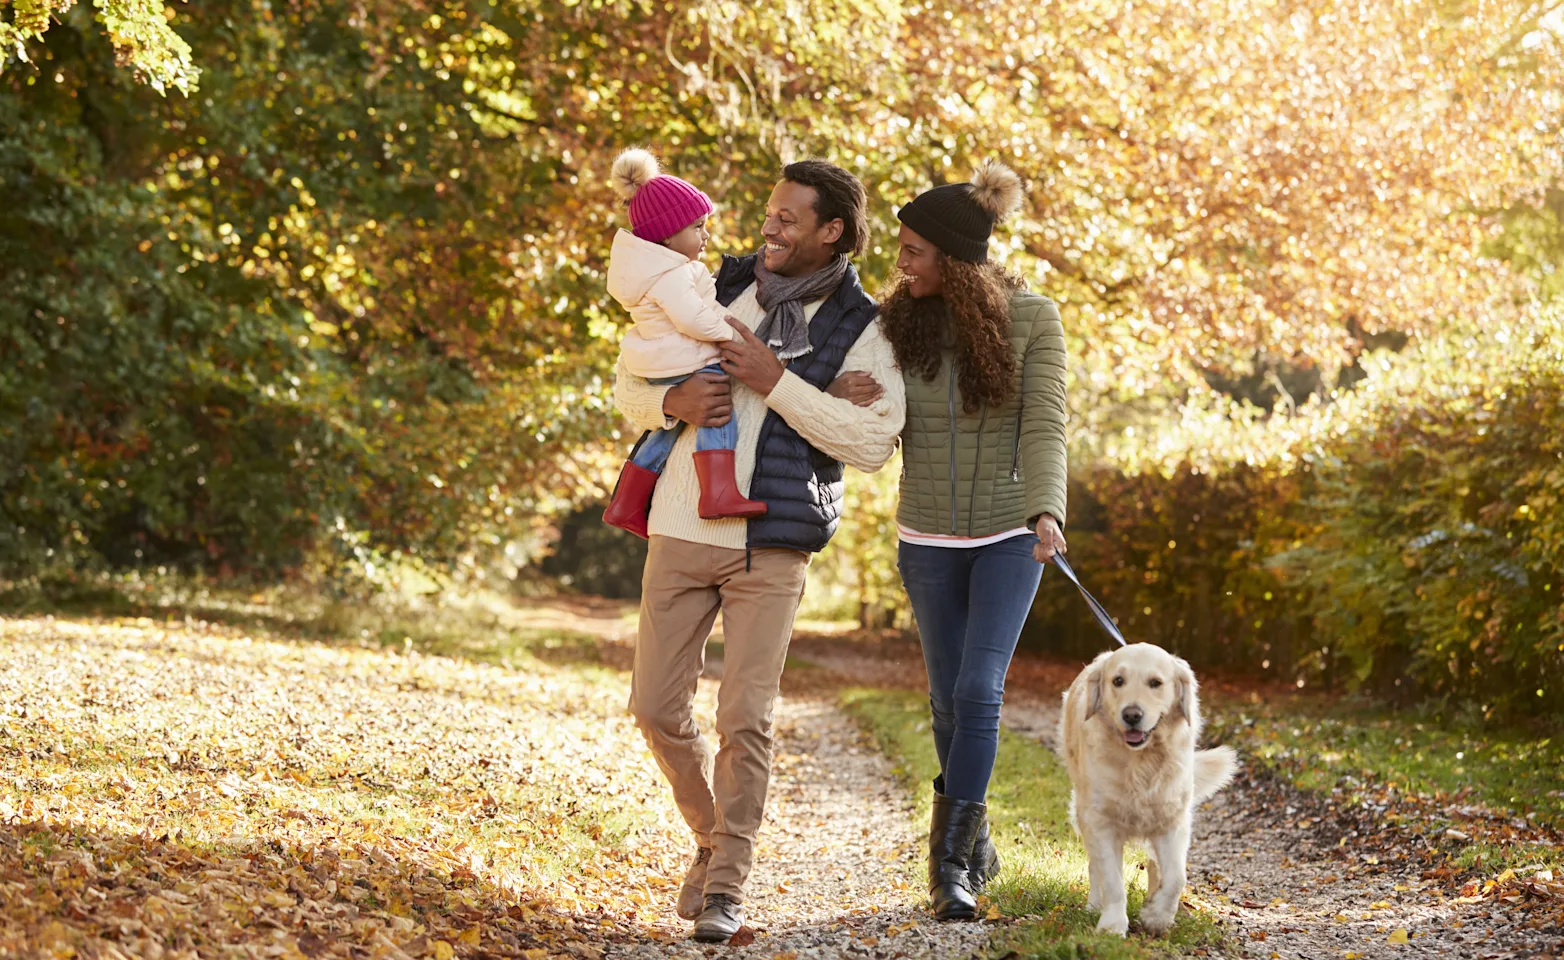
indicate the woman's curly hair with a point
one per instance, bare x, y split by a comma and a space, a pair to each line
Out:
972, 314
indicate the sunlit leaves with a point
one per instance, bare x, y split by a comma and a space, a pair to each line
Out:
140, 30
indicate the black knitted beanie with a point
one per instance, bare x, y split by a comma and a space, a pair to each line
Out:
958, 218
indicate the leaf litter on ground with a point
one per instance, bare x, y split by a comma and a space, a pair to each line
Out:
174, 789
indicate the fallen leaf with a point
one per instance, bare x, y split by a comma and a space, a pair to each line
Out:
444, 951
1398, 935
742, 937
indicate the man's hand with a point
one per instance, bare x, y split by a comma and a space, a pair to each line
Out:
749, 361
856, 387
704, 400
1051, 537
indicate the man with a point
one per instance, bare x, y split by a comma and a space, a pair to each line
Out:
803, 296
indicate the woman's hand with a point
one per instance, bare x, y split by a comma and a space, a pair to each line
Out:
856, 387
1050, 537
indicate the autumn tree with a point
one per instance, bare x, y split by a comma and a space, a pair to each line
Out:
346, 297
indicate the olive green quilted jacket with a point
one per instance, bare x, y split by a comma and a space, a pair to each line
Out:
972, 475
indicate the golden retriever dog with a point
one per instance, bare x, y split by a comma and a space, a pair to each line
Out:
1128, 731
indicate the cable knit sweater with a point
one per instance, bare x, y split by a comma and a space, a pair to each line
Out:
862, 437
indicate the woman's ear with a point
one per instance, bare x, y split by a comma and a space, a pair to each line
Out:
1185, 690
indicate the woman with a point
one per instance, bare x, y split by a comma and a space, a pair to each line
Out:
982, 490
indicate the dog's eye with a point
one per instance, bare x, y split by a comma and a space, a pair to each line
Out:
1118, 681
1154, 683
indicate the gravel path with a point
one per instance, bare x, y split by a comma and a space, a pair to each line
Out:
837, 862
1287, 888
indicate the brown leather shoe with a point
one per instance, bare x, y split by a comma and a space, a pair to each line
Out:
692, 896
720, 920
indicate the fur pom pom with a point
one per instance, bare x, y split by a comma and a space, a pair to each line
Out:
632, 169
997, 189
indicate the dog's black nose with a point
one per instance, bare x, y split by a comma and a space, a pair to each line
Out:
1132, 716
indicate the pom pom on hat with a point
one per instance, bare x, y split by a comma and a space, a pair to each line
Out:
660, 205
997, 189
633, 169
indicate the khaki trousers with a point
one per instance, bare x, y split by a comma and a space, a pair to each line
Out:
684, 585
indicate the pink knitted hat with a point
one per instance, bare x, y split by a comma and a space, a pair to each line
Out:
660, 205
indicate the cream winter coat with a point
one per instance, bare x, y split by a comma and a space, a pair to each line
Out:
673, 301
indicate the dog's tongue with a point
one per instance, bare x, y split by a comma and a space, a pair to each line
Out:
1134, 737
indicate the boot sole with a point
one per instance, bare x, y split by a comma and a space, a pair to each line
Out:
713, 936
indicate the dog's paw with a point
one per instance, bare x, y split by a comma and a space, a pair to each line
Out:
1155, 921
1115, 923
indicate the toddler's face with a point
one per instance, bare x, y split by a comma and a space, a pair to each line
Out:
691, 241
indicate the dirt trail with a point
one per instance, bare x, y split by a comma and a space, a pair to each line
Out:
838, 858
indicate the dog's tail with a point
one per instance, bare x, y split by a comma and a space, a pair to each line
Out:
1214, 769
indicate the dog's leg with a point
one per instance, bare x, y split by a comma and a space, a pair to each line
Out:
1106, 853
1093, 870
1170, 850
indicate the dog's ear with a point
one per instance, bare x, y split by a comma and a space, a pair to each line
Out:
1185, 691
1094, 689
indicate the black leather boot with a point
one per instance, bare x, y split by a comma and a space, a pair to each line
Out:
951, 834
985, 859
984, 865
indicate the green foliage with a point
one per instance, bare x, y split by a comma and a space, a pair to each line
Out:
140, 31
298, 319
1403, 536
593, 558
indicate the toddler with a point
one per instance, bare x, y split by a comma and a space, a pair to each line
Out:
654, 271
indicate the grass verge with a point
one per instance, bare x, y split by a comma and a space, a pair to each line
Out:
1044, 877
1490, 799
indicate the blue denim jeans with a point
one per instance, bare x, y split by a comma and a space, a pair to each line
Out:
653, 452
970, 604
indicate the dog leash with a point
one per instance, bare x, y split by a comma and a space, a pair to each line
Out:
1091, 601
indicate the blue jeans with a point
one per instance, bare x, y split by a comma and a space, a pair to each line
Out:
653, 452
970, 604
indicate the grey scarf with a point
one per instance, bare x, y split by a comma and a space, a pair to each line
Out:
783, 299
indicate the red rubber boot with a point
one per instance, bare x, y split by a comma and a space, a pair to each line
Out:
720, 497
632, 500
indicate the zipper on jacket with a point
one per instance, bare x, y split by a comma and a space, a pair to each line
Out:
1015, 456
952, 404
977, 466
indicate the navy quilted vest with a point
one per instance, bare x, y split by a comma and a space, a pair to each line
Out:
801, 487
